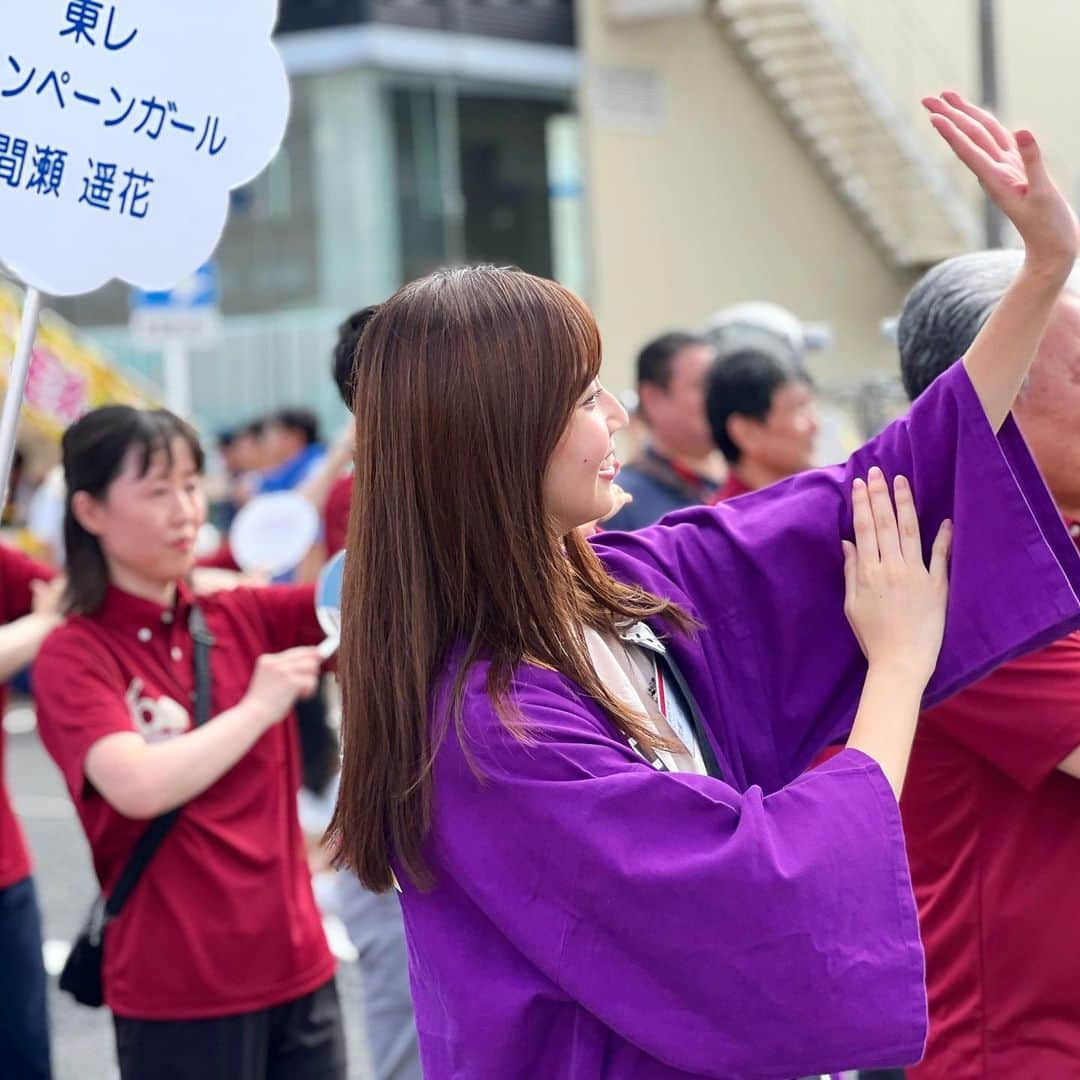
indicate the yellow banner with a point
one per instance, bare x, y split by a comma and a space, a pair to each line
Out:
68, 374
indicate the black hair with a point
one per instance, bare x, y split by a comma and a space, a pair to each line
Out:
654, 360
301, 420
348, 341
95, 450
743, 383
253, 429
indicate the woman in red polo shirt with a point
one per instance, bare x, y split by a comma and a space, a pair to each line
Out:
217, 966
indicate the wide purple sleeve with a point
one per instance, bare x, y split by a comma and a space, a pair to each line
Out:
724, 934
764, 572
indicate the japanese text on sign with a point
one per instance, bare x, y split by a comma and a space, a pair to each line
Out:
125, 123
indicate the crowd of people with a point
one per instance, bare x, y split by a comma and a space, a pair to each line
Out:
717, 763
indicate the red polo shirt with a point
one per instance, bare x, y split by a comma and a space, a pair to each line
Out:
223, 921
733, 487
993, 834
336, 515
17, 571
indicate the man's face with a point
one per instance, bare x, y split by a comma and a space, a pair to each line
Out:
783, 442
1048, 409
281, 443
246, 453
676, 415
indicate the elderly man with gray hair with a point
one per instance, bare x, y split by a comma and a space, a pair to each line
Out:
992, 800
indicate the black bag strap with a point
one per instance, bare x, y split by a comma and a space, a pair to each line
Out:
160, 826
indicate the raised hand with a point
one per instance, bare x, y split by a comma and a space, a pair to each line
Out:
1010, 168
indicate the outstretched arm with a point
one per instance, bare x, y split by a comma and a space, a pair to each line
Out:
1011, 170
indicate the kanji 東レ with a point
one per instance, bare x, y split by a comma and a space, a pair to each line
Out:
12, 160
48, 171
82, 18
134, 199
99, 187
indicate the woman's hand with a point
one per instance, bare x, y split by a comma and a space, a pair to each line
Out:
1010, 168
896, 606
279, 680
46, 597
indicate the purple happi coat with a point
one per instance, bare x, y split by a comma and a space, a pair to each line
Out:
595, 918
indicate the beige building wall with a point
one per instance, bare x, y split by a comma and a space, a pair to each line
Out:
1040, 79
700, 196
713, 202
915, 46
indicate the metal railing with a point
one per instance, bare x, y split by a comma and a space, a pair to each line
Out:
861, 128
549, 22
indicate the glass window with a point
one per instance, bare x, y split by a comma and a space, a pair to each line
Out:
504, 181
472, 179
425, 195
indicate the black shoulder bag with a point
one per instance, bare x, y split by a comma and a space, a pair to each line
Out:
81, 976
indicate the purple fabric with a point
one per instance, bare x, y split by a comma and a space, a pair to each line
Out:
595, 918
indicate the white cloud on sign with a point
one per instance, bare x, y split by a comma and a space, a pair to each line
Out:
124, 125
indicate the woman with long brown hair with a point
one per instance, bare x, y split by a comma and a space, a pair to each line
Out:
584, 765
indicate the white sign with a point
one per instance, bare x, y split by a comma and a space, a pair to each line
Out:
124, 124
186, 315
273, 533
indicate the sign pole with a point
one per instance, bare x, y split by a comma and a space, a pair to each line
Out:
177, 378
16, 388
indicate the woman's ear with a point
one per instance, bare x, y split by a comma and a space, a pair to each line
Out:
87, 511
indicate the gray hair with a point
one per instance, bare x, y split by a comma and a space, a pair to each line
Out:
946, 309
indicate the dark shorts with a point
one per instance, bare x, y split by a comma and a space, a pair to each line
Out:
299, 1040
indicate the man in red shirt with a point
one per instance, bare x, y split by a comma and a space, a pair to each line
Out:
761, 411
27, 615
992, 800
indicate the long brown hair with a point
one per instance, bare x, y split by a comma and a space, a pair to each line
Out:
464, 385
